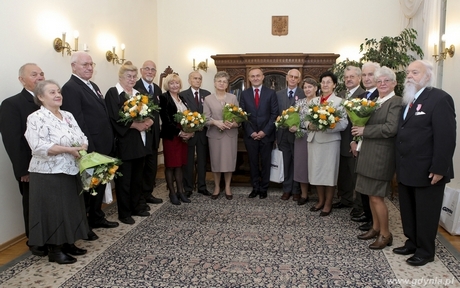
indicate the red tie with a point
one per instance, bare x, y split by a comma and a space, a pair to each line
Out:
196, 98
256, 97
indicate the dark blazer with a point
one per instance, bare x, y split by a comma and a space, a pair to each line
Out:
345, 135
189, 98
130, 145
284, 103
376, 159
169, 127
262, 118
90, 112
426, 139
155, 129
13, 117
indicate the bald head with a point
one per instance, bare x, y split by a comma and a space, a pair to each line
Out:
148, 71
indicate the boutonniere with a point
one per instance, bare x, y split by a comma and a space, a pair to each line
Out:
296, 97
158, 97
419, 106
99, 92
202, 100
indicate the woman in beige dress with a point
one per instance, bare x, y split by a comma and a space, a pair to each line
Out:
222, 135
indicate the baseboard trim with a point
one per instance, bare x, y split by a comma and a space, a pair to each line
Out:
12, 242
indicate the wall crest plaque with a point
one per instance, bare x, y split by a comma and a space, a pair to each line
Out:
280, 25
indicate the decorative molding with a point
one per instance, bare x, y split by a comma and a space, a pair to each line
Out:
280, 25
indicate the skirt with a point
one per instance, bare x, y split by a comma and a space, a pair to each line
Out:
175, 152
57, 212
372, 187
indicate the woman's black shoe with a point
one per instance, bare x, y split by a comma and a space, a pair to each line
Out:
183, 198
173, 198
73, 250
55, 254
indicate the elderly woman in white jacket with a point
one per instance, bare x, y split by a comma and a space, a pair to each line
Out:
324, 148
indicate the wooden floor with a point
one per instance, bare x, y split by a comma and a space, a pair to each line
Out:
17, 249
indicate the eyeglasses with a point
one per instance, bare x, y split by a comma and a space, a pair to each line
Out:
386, 81
292, 76
147, 69
131, 77
87, 65
222, 81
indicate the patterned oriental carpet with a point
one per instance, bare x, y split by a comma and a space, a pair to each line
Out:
239, 243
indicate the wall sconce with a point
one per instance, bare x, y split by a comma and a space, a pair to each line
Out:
444, 51
111, 56
202, 65
60, 45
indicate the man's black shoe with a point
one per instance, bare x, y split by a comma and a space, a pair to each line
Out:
205, 192
361, 218
366, 226
403, 250
339, 205
253, 194
188, 193
92, 236
153, 200
418, 261
105, 224
39, 250
263, 194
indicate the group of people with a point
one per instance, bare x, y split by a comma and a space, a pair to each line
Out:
44, 127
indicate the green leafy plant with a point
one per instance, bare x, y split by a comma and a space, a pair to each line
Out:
394, 52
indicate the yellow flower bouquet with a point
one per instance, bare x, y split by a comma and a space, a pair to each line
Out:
137, 108
233, 113
288, 118
96, 169
323, 116
190, 121
359, 111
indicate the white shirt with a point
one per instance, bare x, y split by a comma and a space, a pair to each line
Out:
45, 130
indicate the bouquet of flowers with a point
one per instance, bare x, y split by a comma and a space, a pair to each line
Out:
137, 108
324, 116
359, 111
233, 113
190, 121
97, 169
288, 118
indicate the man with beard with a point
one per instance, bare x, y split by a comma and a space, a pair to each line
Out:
425, 146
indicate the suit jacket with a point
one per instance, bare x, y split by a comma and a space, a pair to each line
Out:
346, 134
426, 139
378, 147
169, 127
155, 129
189, 99
13, 117
130, 145
262, 118
284, 103
330, 134
90, 112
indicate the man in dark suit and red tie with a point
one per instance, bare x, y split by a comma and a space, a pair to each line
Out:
425, 145
259, 132
13, 117
146, 86
194, 97
85, 101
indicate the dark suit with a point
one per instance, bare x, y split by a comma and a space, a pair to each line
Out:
131, 150
91, 114
425, 144
347, 178
151, 160
285, 140
260, 119
198, 142
13, 117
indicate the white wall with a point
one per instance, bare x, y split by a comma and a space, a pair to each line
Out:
451, 74
171, 32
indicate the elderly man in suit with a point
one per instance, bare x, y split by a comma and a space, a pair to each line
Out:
347, 177
13, 117
194, 97
259, 132
370, 84
146, 86
425, 146
85, 101
284, 138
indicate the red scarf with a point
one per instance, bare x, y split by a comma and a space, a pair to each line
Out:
324, 99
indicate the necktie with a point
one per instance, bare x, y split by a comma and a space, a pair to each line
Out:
91, 87
196, 98
256, 97
368, 94
290, 94
150, 90
348, 94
